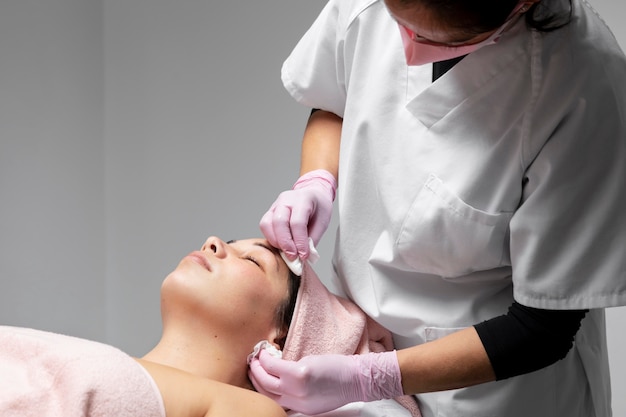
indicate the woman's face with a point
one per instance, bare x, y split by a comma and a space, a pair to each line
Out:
236, 286
462, 26
421, 22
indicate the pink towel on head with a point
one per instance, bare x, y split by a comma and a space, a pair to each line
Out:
52, 375
326, 323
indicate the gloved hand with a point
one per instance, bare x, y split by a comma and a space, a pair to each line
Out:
316, 384
303, 211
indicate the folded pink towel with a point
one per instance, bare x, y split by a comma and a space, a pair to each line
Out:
326, 323
52, 375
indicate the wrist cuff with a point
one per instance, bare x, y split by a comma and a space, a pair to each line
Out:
381, 378
320, 176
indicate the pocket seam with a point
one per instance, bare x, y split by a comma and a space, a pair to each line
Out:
455, 207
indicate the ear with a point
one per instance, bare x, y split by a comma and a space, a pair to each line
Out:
277, 338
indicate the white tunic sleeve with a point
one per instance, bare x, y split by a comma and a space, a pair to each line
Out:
315, 73
568, 237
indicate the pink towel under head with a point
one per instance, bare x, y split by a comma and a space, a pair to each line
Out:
52, 375
325, 323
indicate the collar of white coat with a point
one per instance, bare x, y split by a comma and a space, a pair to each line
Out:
469, 76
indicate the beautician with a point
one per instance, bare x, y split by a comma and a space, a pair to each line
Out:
478, 148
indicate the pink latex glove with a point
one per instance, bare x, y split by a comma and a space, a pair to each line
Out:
303, 211
316, 384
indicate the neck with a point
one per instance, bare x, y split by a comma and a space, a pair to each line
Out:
204, 354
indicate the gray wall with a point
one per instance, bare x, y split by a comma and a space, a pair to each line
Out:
130, 130
200, 138
52, 168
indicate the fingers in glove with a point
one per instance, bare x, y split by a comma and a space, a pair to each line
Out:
273, 365
317, 229
263, 382
279, 228
267, 227
299, 224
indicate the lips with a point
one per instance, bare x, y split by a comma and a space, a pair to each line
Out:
200, 258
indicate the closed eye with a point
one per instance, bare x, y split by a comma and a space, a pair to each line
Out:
253, 260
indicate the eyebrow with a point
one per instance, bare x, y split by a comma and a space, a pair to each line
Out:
272, 249
274, 252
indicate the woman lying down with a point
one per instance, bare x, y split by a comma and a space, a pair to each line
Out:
216, 306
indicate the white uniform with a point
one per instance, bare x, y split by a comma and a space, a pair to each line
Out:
505, 178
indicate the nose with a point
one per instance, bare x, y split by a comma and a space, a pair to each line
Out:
215, 245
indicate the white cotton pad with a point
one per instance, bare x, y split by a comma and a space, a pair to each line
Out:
296, 265
264, 345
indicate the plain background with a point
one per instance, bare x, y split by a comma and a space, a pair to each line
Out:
130, 131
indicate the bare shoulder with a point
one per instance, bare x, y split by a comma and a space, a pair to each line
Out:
242, 402
187, 395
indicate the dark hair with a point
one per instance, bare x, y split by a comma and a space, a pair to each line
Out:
543, 19
284, 311
475, 17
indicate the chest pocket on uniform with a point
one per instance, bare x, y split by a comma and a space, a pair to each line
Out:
444, 236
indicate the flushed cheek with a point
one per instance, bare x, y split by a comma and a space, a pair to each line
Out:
260, 306
254, 325
257, 303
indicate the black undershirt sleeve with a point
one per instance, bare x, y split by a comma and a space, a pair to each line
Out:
527, 339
